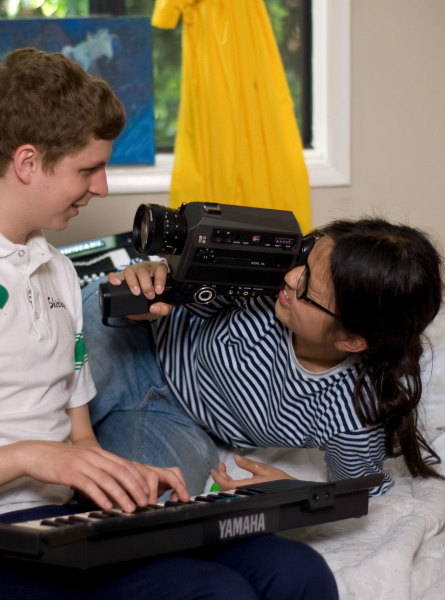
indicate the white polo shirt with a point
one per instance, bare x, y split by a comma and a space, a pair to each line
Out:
43, 363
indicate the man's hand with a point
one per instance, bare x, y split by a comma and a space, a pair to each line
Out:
106, 478
260, 473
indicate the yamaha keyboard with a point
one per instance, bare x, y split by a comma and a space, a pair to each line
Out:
105, 537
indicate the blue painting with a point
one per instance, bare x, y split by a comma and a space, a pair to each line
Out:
118, 49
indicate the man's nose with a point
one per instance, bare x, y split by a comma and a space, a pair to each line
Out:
99, 184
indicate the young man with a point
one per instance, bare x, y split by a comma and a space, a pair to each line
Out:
57, 124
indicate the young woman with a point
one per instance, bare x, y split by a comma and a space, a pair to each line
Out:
332, 363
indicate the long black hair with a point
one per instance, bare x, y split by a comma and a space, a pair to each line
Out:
388, 288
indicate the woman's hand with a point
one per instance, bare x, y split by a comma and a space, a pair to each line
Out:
146, 278
260, 473
106, 478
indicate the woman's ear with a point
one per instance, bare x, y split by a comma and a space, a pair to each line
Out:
351, 342
26, 161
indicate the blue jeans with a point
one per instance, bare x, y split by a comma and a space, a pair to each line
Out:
134, 414
266, 567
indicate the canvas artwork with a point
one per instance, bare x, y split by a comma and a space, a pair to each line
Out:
118, 49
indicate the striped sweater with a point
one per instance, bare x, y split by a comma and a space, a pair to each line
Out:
232, 367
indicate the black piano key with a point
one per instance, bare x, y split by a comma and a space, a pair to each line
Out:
52, 523
102, 514
205, 498
147, 507
170, 503
74, 519
61, 520
226, 497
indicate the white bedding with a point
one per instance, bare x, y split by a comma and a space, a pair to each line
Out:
397, 551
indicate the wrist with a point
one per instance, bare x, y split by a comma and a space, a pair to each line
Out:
88, 441
15, 458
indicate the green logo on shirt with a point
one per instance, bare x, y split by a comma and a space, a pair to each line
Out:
80, 355
3, 296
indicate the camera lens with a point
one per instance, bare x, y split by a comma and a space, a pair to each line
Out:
158, 230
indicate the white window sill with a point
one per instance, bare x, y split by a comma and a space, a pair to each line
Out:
156, 179
151, 179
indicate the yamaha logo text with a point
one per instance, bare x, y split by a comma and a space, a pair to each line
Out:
238, 526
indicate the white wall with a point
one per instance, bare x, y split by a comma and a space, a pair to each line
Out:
397, 116
397, 127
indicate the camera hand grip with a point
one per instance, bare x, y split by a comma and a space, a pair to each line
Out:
119, 301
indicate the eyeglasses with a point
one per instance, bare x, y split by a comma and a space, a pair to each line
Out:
302, 288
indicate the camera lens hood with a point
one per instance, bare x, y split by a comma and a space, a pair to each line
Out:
158, 230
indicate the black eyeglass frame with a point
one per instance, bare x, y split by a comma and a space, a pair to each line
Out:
310, 242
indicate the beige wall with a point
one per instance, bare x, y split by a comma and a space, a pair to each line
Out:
397, 127
397, 116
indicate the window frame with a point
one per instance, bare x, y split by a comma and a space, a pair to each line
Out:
328, 160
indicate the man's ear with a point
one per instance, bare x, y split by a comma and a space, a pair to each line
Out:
26, 162
351, 342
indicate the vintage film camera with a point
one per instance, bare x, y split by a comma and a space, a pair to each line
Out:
211, 249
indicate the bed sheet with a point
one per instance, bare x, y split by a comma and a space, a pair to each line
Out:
397, 551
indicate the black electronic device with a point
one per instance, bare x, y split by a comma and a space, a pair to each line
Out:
105, 537
97, 257
211, 249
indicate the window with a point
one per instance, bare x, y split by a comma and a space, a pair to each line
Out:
313, 38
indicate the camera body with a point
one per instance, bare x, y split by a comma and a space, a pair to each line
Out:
211, 249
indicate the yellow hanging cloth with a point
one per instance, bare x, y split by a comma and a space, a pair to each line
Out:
237, 140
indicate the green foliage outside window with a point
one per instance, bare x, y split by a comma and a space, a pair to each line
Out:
43, 8
285, 16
